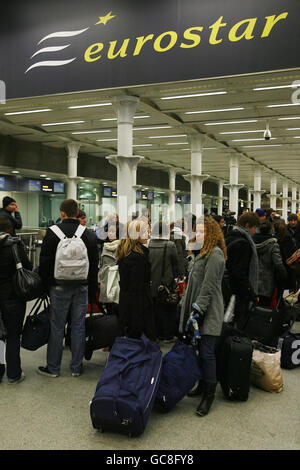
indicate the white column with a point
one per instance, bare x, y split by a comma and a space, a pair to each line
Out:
285, 198
72, 149
299, 201
234, 186
294, 198
196, 177
257, 192
125, 162
172, 194
249, 202
273, 191
220, 197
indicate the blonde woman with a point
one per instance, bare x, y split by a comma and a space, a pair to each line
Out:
203, 296
135, 302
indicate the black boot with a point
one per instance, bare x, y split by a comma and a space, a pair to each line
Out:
196, 392
208, 398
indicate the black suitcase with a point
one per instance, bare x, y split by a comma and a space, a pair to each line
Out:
101, 332
227, 330
235, 368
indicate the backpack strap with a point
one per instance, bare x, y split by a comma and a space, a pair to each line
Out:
80, 230
58, 232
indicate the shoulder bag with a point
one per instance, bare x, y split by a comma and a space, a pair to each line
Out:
167, 293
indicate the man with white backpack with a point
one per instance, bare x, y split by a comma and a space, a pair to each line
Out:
69, 269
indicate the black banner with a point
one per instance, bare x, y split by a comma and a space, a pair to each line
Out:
59, 46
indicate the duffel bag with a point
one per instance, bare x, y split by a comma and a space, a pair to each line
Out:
36, 329
289, 344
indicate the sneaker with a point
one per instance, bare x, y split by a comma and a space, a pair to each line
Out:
16, 381
77, 374
45, 371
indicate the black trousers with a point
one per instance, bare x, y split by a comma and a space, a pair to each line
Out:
165, 319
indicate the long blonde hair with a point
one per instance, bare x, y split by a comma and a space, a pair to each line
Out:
214, 237
130, 243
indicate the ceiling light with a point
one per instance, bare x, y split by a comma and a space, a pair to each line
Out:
214, 110
264, 146
177, 143
274, 87
43, 176
229, 122
15, 171
194, 95
142, 145
105, 140
282, 105
109, 119
151, 128
89, 105
141, 117
248, 140
242, 132
288, 118
293, 129
28, 112
48, 179
165, 136
62, 123
90, 132
298, 137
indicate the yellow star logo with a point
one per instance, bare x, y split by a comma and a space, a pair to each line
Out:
105, 19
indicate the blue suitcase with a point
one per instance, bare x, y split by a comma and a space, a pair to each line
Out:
127, 388
180, 372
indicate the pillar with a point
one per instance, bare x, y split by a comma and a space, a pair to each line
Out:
196, 177
294, 199
234, 186
72, 149
257, 192
285, 198
273, 191
249, 202
172, 194
220, 197
125, 162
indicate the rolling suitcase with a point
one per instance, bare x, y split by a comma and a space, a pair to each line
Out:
127, 388
235, 368
180, 372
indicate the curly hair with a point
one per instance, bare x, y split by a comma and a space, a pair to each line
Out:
214, 237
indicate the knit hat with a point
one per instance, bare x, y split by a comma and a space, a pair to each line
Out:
7, 200
292, 217
260, 212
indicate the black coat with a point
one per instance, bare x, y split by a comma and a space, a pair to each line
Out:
8, 266
135, 302
16, 220
287, 248
239, 256
48, 252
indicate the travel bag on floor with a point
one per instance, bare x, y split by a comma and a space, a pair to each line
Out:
235, 364
180, 372
101, 332
127, 388
264, 324
265, 368
36, 329
289, 344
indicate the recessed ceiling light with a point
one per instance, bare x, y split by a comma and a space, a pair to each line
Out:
248, 140
105, 140
194, 95
28, 112
142, 145
214, 110
15, 171
262, 146
177, 143
274, 87
151, 128
229, 122
62, 123
241, 132
89, 105
282, 105
288, 118
165, 136
90, 132
48, 178
43, 176
293, 129
298, 137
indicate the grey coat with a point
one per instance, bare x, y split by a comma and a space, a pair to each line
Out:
204, 289
271, 267
156, 249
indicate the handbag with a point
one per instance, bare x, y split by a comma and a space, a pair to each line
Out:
36, 329
265, 368
292, 298
27, 284
294, 261
167, 294
264, 324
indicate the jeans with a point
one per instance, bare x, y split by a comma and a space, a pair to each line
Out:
13, 313
64, 300
207, 358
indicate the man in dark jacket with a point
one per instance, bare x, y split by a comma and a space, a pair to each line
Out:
9, 207
242, 265
293, 228
69, 296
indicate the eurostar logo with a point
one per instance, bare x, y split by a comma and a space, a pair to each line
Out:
63, 34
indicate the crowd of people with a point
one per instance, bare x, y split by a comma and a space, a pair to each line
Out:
213, 256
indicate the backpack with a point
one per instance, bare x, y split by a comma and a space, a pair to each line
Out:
71, 259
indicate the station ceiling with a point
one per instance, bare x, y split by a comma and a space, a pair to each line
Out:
232, 112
